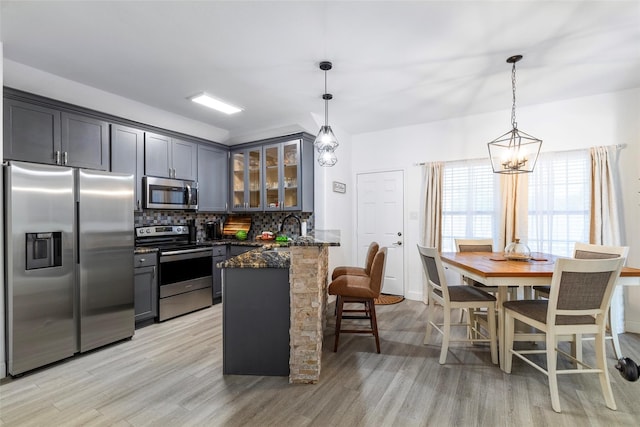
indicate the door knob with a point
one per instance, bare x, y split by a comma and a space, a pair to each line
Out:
399, 243
399, 233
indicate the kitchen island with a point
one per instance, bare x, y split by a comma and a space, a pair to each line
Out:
306, 259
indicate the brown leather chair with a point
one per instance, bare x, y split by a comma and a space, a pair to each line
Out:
359, 289
358, 271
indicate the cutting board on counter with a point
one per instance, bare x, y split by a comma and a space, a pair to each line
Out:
235, 223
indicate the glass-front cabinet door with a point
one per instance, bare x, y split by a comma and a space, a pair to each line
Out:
246, 179
282, 172
272, 177
291, 175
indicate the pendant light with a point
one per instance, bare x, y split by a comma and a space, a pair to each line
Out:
326, 142
515, 151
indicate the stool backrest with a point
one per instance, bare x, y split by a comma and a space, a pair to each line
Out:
377, 271
582, 287
589, 251
474, 245
433, 269
371, 253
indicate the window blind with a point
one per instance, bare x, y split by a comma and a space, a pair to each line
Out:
559, 202
469, 201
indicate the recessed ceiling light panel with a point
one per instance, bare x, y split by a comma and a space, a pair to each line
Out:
209, 101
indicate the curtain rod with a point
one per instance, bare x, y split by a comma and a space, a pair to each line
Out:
618, 146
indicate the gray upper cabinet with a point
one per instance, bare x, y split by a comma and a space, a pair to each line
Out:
275, 175
84, 142
246, 179
283, 176
35, 133
169, 157
31, 132
157, 155
184, 158
213, 166
127, 156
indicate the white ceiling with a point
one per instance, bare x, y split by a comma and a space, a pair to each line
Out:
396, 63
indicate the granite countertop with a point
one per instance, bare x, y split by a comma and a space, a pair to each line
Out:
264, 257
268, 253
277, 254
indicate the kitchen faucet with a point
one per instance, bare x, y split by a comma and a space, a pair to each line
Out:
297, 219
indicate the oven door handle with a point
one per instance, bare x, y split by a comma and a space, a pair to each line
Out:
185, 254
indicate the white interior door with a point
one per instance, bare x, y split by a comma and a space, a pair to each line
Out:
380, 218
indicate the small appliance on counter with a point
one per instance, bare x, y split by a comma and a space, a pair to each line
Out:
191, 224
213, 230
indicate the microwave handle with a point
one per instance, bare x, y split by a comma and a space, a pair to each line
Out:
189, 201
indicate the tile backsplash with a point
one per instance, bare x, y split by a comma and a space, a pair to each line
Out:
260, 221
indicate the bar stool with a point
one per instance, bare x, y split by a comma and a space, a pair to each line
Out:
359, 289
357, 271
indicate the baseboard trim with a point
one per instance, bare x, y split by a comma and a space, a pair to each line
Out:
632, 326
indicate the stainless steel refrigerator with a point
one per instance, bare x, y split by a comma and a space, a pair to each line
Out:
69, 262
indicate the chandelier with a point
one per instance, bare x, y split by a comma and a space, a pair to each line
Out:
515, 151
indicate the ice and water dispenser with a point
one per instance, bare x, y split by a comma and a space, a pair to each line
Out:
44, 250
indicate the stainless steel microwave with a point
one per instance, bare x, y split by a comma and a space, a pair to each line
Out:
165, 193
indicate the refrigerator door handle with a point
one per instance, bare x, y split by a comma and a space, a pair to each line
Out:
77, 234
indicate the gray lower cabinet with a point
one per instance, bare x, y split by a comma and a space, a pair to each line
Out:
235, 250
213, 176
219, 255
255, 321
127, 156
146, 288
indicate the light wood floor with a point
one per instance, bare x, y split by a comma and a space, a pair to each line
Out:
170, 374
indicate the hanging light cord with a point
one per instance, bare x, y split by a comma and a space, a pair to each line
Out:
326, 101
513, 89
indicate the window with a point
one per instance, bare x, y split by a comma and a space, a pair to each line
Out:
558, 198
469, 202
559, 202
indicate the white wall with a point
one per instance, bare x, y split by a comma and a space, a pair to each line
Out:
606, 119
333, 211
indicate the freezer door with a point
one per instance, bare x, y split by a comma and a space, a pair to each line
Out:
105, 257
39, 201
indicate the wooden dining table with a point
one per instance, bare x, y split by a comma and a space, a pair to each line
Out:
493, 269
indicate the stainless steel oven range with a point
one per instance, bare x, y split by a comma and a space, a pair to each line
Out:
185, 280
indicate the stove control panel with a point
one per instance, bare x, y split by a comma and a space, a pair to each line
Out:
162, 230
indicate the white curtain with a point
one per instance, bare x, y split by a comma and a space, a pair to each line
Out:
605, 220
513, 209
431, 207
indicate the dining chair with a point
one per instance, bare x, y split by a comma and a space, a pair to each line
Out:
455, 297
481, 245
359, 289
358, 271
580, 295
590, 251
